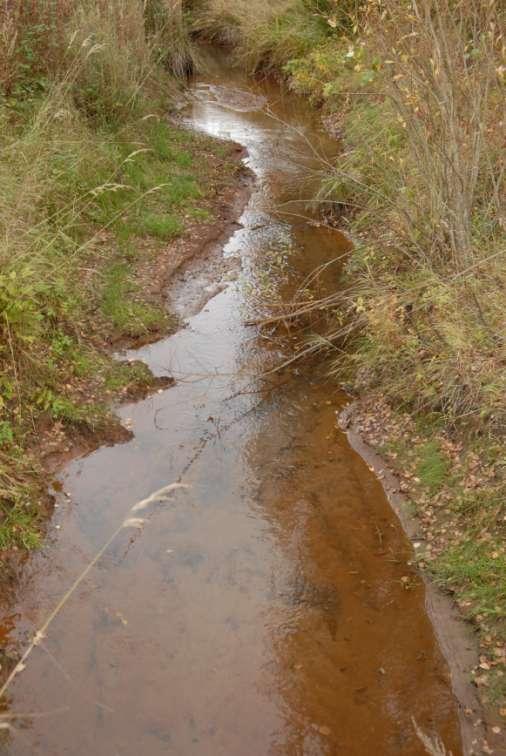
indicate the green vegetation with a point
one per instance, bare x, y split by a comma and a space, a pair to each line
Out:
265, 34
95, 183
162, 226
127, 317
480, 572
432, 466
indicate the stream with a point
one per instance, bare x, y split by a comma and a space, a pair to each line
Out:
268, 605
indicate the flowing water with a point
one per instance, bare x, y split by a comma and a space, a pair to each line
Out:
269, 607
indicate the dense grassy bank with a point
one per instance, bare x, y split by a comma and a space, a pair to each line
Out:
416, 92
96, 182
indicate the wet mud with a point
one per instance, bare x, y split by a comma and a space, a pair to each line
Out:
269, 605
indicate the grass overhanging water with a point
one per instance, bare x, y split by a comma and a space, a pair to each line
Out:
96, 182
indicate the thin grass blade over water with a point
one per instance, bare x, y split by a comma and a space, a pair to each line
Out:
160, 495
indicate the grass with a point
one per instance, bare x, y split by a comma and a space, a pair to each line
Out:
264, 34
162, 226
475, 571
95, 184
127, 375
480, 574
433, 467
127, 316
20, 527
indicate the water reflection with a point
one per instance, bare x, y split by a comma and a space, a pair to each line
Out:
350, 626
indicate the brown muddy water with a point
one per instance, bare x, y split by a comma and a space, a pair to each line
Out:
268, 608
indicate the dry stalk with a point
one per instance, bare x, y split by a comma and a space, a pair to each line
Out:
129, 522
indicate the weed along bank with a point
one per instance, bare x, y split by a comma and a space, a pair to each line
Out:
251, 403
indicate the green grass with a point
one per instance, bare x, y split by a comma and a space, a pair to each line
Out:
128, 316
19, 511
265, 34
200, 214
479, 571
19, 527
123, 375
95, 183
432, 467
163, 227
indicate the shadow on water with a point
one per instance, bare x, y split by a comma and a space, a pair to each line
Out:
269, 608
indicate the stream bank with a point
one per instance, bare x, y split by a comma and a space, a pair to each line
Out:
271, 605
423, 310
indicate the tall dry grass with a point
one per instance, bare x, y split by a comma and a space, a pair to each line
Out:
418, 90
430, 287
81, 92
32, 39
444, 57
265, 33
37, 38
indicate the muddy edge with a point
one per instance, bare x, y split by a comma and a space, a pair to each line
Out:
455, 636
200, 243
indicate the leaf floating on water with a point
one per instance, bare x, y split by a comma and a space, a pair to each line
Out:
133, 522
322, 729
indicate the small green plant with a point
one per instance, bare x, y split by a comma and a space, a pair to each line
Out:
6, 433
61, 344
479, 569
128, 316
200, 214
122, 375
432, 467
19, 527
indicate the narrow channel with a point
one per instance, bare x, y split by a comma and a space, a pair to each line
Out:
269, 607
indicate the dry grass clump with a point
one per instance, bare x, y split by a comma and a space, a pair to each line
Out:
33, 40
430, 287
42, 39
264, 33
444, 64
